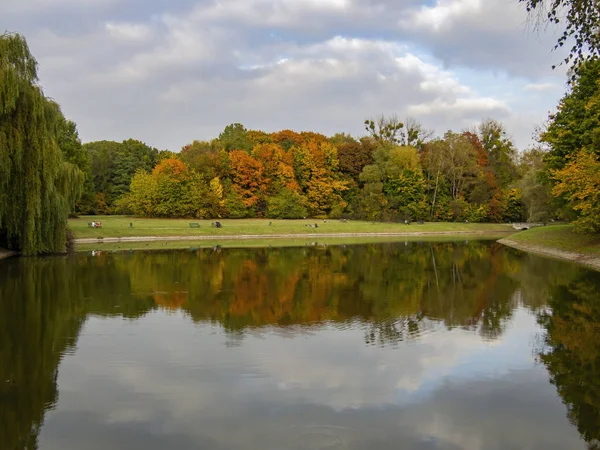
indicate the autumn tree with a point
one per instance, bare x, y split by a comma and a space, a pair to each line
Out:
173, 190
287, 139
278, 170
247, 177
573, 135
259, 137
339, 139
202, 157
501, 152
579, 183
316, 170
354, 155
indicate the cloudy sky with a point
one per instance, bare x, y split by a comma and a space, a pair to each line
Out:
168, 72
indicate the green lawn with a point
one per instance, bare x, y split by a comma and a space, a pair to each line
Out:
281, 242
119, 226
560, 237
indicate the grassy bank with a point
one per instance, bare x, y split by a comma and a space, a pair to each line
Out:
558, 241
283, 242
560, 237
119, 226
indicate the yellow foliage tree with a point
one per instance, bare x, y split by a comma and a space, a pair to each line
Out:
579, 183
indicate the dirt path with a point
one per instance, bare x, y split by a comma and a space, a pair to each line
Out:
592, 261
274, 236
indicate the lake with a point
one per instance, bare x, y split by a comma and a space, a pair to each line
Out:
405, 345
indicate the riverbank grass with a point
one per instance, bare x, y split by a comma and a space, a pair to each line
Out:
559, 237
298, 241
123, 226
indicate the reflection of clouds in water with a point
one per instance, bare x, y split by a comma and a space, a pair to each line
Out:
326, 388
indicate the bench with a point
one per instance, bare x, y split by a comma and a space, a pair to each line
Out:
194, 225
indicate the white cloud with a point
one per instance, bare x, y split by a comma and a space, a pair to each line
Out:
18, 6
168, 76
444, 12
474, 107
124, 31
542, 87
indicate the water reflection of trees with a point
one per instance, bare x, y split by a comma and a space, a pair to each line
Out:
461, 285
43, 305
395, 291
572, 351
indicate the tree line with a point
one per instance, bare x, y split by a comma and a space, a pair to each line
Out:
397, 171
398, 175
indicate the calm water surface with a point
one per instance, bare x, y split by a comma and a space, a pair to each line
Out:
453, 345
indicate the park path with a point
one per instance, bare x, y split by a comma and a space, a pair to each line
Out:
588, 260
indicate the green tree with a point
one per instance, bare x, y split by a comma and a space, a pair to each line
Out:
458, 163
501, 152
142, 197
113, 165
38, 186
236, 207
537, 195
235, 137
200, 156
398, 170
73, 151
416, 134
386, 129
287, 204
575, 125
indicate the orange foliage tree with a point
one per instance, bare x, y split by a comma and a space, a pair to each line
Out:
247, 177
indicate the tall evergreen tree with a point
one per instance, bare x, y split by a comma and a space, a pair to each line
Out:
38, 187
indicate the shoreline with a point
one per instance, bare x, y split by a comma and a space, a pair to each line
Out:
278, 236
590, 261
6, 253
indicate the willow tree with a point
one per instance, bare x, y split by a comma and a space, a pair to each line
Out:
38, 187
